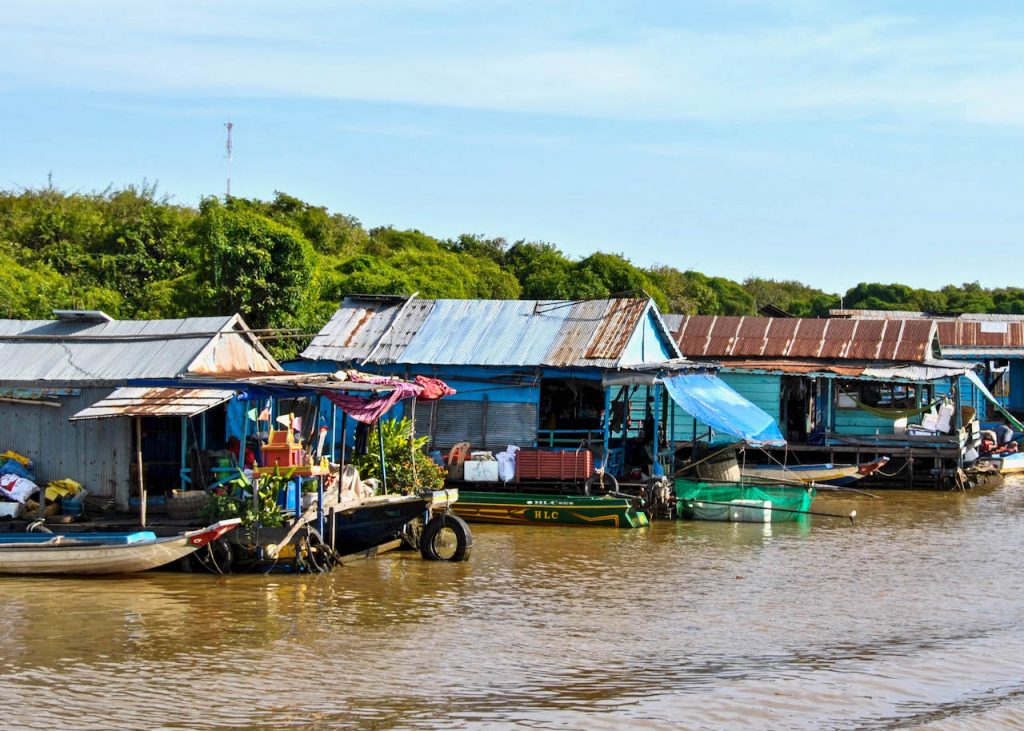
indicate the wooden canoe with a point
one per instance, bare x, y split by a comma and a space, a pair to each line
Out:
100, 553
821, 474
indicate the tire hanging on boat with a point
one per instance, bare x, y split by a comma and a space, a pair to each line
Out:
431, 541
600, 484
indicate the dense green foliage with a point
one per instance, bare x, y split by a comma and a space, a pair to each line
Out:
286, 263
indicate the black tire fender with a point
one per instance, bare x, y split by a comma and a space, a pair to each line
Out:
432, 530
598, 484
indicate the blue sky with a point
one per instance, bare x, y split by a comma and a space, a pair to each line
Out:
830, 142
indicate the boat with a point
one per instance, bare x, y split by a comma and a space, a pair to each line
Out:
1008, 463
100, 553
375, 520
820, 474
521, 508
741, 502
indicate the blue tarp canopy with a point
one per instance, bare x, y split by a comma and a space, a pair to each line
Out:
711, 400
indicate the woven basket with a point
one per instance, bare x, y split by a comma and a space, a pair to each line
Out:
187, 505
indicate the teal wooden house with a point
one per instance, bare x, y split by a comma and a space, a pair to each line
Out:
844, 389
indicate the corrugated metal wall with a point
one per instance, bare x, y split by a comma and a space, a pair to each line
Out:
96, 453
491, 425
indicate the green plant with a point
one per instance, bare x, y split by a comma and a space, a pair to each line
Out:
236, 502
408, 468
310, 486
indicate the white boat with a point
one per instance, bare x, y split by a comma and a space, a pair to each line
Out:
100, 553
819, 474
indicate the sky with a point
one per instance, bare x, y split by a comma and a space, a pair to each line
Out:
828, 142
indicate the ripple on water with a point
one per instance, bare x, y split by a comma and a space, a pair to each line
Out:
910, 618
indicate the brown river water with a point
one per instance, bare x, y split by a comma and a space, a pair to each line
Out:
911, 618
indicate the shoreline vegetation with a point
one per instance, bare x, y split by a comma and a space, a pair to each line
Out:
285, 263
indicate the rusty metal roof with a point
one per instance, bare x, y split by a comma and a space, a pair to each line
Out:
966, 335
595, 333
706, 336
132, 401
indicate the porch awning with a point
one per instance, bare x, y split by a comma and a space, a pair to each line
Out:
135, 401
711, 400
980, 385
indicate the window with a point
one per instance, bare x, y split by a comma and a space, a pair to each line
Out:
880, 395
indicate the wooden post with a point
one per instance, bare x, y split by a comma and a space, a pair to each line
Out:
138, 465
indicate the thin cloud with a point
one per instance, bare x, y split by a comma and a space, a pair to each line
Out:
803, 65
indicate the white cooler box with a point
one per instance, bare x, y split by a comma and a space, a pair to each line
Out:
480, 471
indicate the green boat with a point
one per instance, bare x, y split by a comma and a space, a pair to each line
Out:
741, 502
520, 508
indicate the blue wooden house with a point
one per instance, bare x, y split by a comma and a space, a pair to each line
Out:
554, 375
843, 387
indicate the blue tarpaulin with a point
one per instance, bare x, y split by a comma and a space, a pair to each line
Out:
709, 399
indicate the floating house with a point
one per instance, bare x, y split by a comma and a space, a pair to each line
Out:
845, 389
996, 342
53, 370
551, 375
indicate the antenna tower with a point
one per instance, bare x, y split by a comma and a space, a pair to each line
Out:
230, 126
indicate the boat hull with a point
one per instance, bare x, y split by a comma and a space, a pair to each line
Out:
379, 519
821, 474
1008, 464
516, 508
86, 555
741, 502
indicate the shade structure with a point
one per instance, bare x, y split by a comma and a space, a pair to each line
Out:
709, 399
133, 401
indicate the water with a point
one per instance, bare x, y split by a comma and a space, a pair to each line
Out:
912, 618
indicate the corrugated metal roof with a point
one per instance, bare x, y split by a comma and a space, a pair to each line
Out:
704, 336
918, 315
365, 326
131, 401
552, 333
963, 335
89, 352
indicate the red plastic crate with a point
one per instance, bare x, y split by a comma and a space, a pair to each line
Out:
539, 464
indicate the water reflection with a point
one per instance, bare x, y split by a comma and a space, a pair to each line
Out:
911, 617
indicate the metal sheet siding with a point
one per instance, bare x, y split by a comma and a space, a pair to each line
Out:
510, 423
95, 453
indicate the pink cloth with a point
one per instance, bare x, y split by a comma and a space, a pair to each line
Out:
368, 410
433, 389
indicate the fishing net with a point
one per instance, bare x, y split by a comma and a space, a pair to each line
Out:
741, 502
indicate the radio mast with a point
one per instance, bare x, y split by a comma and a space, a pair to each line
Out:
229, 125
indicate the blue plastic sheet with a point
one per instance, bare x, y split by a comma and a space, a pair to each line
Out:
709, 399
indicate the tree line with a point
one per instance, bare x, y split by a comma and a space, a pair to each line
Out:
285, 263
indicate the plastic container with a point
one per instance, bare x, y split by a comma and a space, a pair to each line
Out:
71, 506
9, 510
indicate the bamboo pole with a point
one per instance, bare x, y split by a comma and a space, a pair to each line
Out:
138, 465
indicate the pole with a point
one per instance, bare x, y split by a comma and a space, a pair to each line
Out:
230, 126
852, 514
383, 466
138, 466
